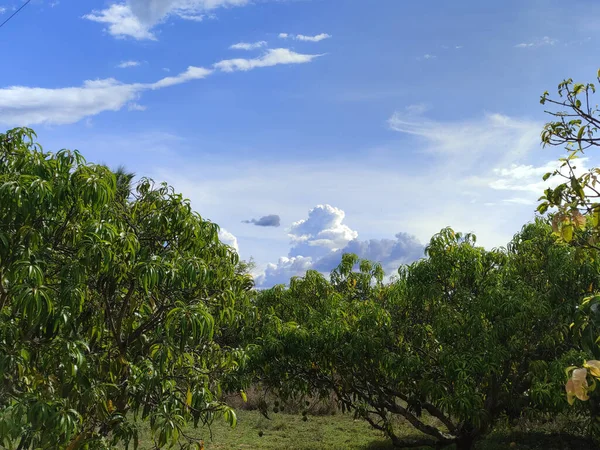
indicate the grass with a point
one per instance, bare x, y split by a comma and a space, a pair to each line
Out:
286, 431
341, 431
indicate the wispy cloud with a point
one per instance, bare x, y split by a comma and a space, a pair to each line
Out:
272, 57
2, 9
248, 45
302, 37
136, 107
126, 64
537, 43
426, 57
21, 105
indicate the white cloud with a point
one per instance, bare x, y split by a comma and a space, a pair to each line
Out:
122, 22
537, 43
281, 272
317, 38
21, 105
192, 73
321, 233
227, 238
2, 9
319, 241
136, 107
192, 17
126, 64
272, 57
248, 46
427, 56
305, 38
136, 18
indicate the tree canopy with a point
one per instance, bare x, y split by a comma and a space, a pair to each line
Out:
464, 336
113, 304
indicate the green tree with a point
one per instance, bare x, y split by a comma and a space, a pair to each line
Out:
465, 336
576, 201
113, 298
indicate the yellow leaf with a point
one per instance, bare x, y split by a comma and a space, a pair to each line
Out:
567, 232
188, 398
594, 367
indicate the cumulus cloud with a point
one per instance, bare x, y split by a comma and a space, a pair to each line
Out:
537, 43
272, 57
227, 238
305, 38
21, 105
122, 22
248, 45
137, 18
285, 269
319, 241
126, 64
272, 220
321, 233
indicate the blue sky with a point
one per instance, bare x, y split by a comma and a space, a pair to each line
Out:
365, 126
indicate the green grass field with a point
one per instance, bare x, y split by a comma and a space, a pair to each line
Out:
341, 431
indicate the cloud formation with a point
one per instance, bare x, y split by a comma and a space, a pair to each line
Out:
126, 64
21, 105
319, 241
272, 220
537, 43
122, 22
248, 45
302, 37
137, 18
272, 57
227, 238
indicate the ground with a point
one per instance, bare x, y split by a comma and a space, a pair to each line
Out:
341, 431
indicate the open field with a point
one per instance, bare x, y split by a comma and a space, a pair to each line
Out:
341, 431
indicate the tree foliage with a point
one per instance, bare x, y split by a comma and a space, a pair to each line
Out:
465, 336
576, 198
113, 304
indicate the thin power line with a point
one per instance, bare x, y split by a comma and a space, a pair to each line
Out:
15, 13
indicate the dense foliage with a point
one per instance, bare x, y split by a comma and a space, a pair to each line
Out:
462, 338
114, 303
576, 199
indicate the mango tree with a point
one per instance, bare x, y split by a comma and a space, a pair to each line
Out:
575, 202
113, 302
463, 338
